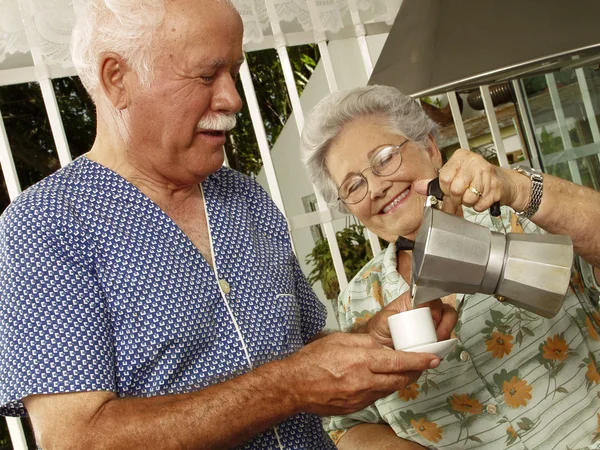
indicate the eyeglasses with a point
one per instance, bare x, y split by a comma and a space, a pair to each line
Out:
383, 163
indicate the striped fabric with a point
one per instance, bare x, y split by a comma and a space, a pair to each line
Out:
514, 381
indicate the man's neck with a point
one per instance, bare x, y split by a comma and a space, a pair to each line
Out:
166, 193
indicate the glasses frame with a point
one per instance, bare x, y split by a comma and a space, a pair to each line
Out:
361, 174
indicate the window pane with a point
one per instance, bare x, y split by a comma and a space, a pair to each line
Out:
565, 112
77, 112
28, 131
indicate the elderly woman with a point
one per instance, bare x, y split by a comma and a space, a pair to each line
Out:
515, 380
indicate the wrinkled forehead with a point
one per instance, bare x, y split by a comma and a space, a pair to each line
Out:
194, 20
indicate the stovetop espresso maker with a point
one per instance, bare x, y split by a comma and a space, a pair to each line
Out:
452, 255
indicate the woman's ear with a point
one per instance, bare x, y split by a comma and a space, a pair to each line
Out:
112, 73
434, 151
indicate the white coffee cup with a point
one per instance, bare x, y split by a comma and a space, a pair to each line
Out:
412, 328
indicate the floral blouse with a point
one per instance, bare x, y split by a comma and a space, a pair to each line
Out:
515, 380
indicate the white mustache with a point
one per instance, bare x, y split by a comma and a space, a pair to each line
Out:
219, 122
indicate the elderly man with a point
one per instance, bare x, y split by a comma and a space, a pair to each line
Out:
149, 297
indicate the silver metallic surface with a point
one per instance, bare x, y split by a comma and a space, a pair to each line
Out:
439, 45
452, 255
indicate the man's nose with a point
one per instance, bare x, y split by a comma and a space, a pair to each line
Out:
226, 98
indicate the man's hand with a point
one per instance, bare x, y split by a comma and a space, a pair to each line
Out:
345, 372
444, 318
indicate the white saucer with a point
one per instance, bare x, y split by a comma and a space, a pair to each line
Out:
440, 349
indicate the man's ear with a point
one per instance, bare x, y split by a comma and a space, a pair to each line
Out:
434, 152
112, 73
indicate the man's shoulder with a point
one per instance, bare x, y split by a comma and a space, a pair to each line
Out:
49, 198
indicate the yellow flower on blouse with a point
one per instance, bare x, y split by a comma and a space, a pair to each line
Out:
369, 271
592, 373
591, 329
363, 319
462, 403
500, 344
556, 349
410, 392
428, 430
511, 431
336, 435
516, 392
376, 292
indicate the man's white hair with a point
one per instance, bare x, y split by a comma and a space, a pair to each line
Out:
126, 27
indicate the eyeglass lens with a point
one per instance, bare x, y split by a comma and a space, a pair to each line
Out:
385, 162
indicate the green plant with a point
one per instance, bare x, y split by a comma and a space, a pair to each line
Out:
437, 102
355, 251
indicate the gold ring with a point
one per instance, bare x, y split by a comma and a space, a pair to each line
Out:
475, 191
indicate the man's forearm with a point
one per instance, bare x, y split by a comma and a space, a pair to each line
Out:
218, 417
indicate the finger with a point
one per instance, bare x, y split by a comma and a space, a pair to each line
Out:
392, 361
394, 382
400, 304
490, 191
447, 323
474, 192
435, 307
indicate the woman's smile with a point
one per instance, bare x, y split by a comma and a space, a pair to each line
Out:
396, 202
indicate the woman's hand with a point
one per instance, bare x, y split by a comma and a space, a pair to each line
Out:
469, 179
444, 318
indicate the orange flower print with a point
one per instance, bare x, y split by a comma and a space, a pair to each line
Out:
556, 349
462, 403
598, 430
428, 430
499, 344
576, 282
596, 317
591, 329
592, 373
369, 271
515, 226
410, 392
511, 432
336, 435
376, 292
363, 319
516, 392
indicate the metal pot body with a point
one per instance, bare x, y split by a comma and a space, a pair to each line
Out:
452, 255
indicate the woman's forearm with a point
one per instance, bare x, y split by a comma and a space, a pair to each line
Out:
371, 436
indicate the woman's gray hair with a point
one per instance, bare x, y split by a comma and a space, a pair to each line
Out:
399, 114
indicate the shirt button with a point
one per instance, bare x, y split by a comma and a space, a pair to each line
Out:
224, 286
464, 356
491, 409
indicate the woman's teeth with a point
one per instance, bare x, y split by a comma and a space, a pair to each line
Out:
397, 200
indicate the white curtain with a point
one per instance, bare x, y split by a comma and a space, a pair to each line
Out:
45, 25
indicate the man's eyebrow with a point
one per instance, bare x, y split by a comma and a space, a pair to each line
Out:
219, 63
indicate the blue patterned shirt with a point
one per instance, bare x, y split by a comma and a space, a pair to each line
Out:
101, 291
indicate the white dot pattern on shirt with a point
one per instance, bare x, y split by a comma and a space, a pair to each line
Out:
100, 290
